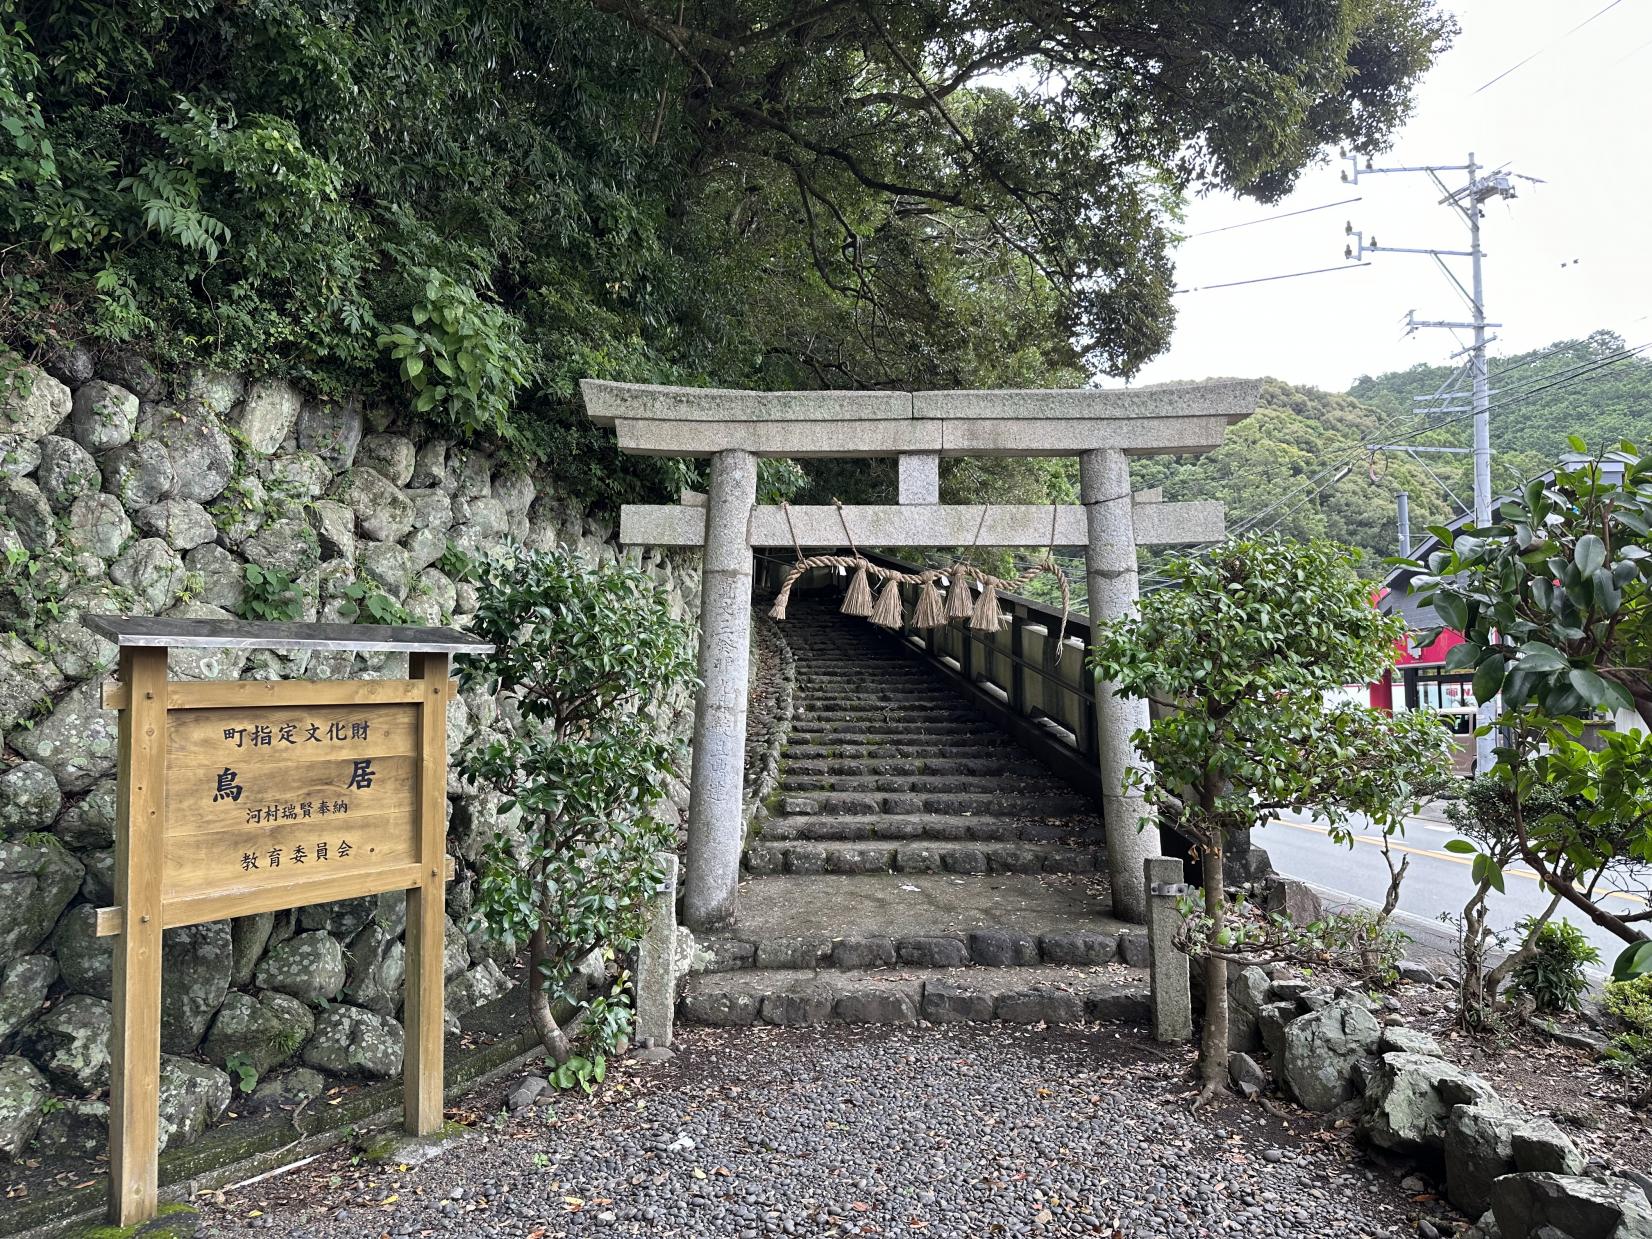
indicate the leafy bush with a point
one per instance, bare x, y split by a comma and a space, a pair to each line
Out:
1552, 976
1631, 1002
269, 594
582, 654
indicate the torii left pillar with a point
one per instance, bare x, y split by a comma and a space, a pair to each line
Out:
716, 817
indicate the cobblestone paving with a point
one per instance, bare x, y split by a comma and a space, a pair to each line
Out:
944, 1131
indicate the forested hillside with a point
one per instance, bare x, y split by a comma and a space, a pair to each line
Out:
1283, 467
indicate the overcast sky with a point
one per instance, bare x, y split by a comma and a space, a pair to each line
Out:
1565, 258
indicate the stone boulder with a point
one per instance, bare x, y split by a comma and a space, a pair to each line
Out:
248, 936
349, 1041
1554, 1206
1540, 1145
25, 507
309, 966
331, 429
70, 1043
23, 991
73, 1127
98, 524
32, 403
476, 988
29, 799
1411, 1098
182, 524
377, 965
263, 1031
103, 416
1324, 1052
138, 473
1397, 1037
23, 1092
19, 457
391, 455
86, 961
67, 471
200, 450
76, 742
268, 414
383, 513
1293, 900
38, 878
1479, 1147
192, 1095
195, 967
216, 391
26, 678
152, 570
289, 1088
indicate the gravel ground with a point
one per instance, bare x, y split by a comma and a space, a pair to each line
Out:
954, 1131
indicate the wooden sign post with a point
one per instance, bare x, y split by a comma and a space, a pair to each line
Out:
246, 796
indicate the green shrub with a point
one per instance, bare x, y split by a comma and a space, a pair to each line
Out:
1553, 976
1631, 1002
581, 653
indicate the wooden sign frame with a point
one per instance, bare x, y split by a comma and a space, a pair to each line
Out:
156, 713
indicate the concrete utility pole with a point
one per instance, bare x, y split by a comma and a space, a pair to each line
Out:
1466, 202
1402, 504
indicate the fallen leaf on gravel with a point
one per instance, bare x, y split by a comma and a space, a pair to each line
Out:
390, 1199
860, 1206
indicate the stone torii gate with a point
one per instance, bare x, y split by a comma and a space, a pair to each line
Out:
1102, 428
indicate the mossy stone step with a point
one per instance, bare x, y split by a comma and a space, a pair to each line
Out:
1022, 782
937, 826
1044, 995
997, 804
919, 856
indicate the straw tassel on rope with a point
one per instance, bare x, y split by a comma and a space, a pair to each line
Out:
858, 601
889, 613
960, 603
930, 611
986, 616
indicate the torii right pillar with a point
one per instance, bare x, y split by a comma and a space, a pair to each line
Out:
1114, 590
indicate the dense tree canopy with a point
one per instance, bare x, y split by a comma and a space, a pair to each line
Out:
486, 202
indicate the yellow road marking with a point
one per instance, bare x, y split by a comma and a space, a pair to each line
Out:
1451, 856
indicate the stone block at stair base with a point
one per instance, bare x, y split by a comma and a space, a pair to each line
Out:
721, 1009
1041, 1006
932, 952
1079, 948
880, 1005
999, 948
808, 1003
946, 1002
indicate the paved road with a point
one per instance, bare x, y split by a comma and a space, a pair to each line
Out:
1437, 881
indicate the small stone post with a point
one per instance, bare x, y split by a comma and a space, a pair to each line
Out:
716, 824
1168, 967
1110, 563
656, 979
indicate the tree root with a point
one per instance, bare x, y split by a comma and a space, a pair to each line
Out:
1212, 1090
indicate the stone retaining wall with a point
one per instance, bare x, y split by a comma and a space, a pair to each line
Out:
124, 491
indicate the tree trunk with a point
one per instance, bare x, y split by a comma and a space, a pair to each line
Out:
1213, 1049
1513, 960
551, 1035
1472, 1010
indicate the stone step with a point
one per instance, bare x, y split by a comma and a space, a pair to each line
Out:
896, 746
1034, 995
897, 714
965, 804
858, 729
931, 920
803, 856
862, 767
901, 828
1026, 782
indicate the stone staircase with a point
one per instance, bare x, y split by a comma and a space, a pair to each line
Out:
916, 863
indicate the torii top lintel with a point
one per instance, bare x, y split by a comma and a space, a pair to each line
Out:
701, 421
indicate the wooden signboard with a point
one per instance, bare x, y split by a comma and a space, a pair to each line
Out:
247, 796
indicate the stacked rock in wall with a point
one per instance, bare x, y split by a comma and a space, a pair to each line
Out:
122, 492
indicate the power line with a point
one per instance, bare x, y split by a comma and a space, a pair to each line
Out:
1267, 279
1552, 43
1264, 219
